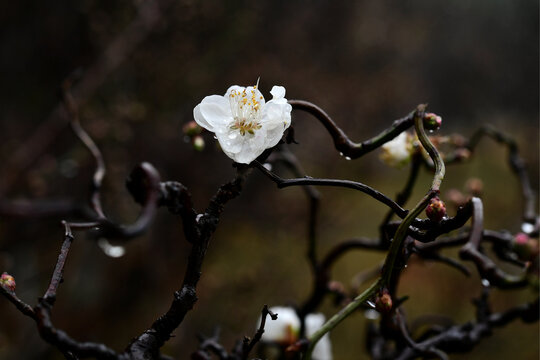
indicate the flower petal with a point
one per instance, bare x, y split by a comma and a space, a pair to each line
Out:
277, 114
278, 92
215, 112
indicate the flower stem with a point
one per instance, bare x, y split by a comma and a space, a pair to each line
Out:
432, 151
337, 318
401, 232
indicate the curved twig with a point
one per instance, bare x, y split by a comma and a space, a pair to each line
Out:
390, 269
342, 143
418, 348
99, 174
249, 344
516, 164
462, 338
283, 183
486, 267
322, 274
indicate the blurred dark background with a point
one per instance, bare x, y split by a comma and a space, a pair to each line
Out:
145, 65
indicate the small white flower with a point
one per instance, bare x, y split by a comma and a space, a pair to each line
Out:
244, 124
397, 152
285, 329
323, 349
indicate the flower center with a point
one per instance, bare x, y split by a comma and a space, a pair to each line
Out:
245, 107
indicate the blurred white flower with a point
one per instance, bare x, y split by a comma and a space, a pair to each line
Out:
397, 152
323, 349
244, 124
286, 330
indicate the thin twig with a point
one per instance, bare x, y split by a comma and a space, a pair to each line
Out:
19, 304
248, 346
46, 328
288, 159
283, 183
342, 143
419, 349
517, 164
322, 274
99, 173
486, 267
462, 338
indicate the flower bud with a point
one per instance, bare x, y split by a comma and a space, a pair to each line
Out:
432, 121
521, 239
436, 209
7, 281
383, 302
191, 129
526, 248
198, 143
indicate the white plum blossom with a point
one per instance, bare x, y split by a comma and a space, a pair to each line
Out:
397, 152
243, 123
286, 330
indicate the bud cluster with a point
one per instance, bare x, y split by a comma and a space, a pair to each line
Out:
192, 132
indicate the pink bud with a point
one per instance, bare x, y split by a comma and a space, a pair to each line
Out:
436, 209
432, 121
383, 302
191, 129
525, 247
7, 281
521, 238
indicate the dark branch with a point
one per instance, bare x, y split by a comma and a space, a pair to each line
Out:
283, 183
248, 345
517, 164
486, 267
147, 345
48, 331
464, 337
342, 143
